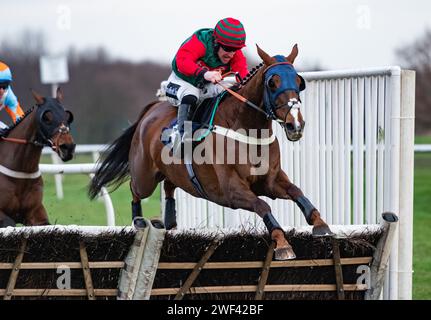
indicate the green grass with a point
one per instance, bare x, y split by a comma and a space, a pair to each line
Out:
422, 227
423, 140
76, 208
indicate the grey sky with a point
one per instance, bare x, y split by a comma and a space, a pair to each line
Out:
338, 34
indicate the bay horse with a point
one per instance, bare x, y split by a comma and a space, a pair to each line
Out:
21, 185
273, 91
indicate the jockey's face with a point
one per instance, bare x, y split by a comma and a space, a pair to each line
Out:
225, 56
2, 91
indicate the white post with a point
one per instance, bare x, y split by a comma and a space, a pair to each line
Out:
58, 178
395, 92
381, 255
407, 123
109, 208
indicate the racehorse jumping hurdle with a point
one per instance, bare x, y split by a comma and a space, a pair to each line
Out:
55, 262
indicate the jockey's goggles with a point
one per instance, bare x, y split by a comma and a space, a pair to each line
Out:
227, 48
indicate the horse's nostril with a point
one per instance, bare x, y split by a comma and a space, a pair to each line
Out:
68, 147
290, 127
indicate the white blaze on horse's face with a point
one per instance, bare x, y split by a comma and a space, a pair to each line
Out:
294, 125
294, 111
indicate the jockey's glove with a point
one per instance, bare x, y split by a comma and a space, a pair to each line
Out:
213, 76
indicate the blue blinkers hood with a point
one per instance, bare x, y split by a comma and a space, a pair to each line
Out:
287, 74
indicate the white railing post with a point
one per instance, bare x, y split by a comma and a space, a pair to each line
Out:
58, 178
407, 131
395, 105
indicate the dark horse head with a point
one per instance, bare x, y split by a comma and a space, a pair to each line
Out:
282, 85
53, 122
46, 124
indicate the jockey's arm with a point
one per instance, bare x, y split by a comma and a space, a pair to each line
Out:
188, 55
13, 107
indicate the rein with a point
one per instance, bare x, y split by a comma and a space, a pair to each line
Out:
269, 115
48, 142
35, 142
15, 140
242, 99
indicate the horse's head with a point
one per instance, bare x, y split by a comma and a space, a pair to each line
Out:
54, 125
282, 85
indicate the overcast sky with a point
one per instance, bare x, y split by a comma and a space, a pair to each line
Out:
337, 34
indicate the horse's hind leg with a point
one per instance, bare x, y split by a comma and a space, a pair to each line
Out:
140, 193
170, 213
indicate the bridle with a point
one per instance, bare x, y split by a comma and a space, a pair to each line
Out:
269, 97
41, 139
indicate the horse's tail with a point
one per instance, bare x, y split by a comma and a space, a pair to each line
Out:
114, 169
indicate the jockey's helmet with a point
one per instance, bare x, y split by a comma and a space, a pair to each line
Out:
5, 74
230, 32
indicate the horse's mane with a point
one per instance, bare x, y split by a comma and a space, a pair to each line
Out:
251, 73
13, 126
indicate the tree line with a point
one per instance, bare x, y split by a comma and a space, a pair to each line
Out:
104, 94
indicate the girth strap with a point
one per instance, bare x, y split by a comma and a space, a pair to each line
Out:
194, 180
229, 133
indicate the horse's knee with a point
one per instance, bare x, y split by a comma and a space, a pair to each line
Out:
261, 207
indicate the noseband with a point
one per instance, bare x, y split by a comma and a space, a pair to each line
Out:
53, 143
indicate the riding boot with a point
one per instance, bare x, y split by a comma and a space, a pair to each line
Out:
183, 111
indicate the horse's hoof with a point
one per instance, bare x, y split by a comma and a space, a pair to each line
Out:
170, 225
284, 253
322, 231
139, 223
158, 224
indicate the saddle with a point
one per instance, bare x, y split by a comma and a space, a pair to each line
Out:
202, 120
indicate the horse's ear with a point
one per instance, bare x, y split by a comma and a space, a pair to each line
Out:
59, 95
292, 56
39, 99
267, 59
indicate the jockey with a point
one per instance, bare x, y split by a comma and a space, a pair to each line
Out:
8, 99
199, 64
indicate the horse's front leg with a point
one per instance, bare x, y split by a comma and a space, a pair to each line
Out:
285, 189
246, 199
